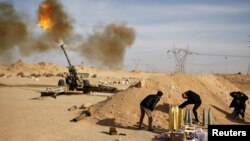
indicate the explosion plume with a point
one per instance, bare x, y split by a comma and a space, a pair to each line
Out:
54, 20
107, 48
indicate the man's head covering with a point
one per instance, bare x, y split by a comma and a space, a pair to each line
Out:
159, 93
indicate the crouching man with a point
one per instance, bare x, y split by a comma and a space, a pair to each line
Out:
239, 104
147, 106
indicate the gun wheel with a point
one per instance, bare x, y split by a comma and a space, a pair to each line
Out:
61, 82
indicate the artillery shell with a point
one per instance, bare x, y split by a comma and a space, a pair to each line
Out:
72, 108
82, 116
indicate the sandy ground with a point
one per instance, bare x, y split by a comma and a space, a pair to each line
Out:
27, 117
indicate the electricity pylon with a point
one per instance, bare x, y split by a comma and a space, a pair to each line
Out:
180, 55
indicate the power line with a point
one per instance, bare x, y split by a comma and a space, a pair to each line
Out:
222, 55
217, 63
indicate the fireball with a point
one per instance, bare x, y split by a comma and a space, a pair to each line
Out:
44, 17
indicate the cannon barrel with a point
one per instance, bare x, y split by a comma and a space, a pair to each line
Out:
72, 77
66, 55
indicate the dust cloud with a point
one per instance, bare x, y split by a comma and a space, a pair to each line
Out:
13, 30
107, 47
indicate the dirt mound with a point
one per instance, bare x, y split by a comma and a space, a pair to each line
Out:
123, 108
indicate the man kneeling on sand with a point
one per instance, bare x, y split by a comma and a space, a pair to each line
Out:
239, 104
147, 106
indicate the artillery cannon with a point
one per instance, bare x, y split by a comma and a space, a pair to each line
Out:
76, 81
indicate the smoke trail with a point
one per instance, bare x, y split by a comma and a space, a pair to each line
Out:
107, 48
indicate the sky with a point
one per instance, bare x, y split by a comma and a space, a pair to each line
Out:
216, 32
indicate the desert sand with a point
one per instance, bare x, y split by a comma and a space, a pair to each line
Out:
25, 116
